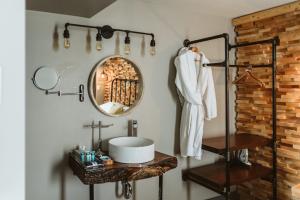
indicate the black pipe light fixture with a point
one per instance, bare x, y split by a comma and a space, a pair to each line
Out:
107, 32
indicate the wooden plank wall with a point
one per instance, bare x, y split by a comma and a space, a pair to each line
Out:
253, 104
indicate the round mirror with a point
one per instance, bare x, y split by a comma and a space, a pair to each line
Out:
45, 78
115, 86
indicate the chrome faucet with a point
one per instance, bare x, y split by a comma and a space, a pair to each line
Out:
99, 126
132, 128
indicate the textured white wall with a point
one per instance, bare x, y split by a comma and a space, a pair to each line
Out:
54, 124
12, 103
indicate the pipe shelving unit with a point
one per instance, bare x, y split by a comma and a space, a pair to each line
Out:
221, 175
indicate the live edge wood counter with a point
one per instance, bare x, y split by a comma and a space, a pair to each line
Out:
127, 172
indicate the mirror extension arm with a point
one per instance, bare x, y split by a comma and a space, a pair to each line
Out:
60, 93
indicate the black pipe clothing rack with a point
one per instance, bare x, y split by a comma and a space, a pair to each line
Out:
213, 176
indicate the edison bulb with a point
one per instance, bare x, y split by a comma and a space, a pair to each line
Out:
67, 43
152, 51
127, 49
98, 45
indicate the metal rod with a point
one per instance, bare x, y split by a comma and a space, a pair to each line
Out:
125, 92
114, 29
227, 121
111, 91
269, 41
99, 135
93, 134
253, 66
96, 126
80, 93
222, 64
188, 42
82, 25
274, 122
129, 93
69, 93
91, 192
121, 92
136, 32
135, 90
160, 191
217, 64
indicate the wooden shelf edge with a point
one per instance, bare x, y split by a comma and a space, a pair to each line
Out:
237, 141
118, 171
213, 176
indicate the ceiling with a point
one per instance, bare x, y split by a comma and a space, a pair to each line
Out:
82, 8
224, 8
88, 8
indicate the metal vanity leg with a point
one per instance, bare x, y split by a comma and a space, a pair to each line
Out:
91, 192
160, 192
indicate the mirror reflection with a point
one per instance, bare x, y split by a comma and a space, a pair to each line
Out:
115, 85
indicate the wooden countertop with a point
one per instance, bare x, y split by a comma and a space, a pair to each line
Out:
120, 171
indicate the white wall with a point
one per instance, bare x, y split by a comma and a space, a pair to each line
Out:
54, 124
12, 100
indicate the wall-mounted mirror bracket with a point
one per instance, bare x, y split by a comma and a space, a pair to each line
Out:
47, 78
80, 93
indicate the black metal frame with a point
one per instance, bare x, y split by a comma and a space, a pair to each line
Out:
274, 42
114, 90
160, 189
107, 31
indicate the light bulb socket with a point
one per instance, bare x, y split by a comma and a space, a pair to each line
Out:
98, 36
66, 33
152, 43
127, 39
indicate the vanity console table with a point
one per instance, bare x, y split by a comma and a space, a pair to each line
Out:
123, 172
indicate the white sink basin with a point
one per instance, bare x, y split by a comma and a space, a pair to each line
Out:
131, 149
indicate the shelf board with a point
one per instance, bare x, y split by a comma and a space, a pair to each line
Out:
213, 176
233, 196
237, 141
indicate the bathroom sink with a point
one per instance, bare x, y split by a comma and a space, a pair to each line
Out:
131, 149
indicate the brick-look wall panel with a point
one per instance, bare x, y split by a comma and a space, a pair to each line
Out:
121, 69
253, 104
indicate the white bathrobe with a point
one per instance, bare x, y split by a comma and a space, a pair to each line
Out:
195, 84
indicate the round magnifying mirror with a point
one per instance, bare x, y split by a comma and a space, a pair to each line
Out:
45, 78
115, 86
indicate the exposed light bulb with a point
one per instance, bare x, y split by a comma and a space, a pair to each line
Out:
67, 43
99, 41
66, 37
152, 51
143, 46
152, 47
98, 45
127, 49
127, 45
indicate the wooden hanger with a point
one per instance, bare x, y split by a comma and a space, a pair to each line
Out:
197, 51
194, 49
248, 77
